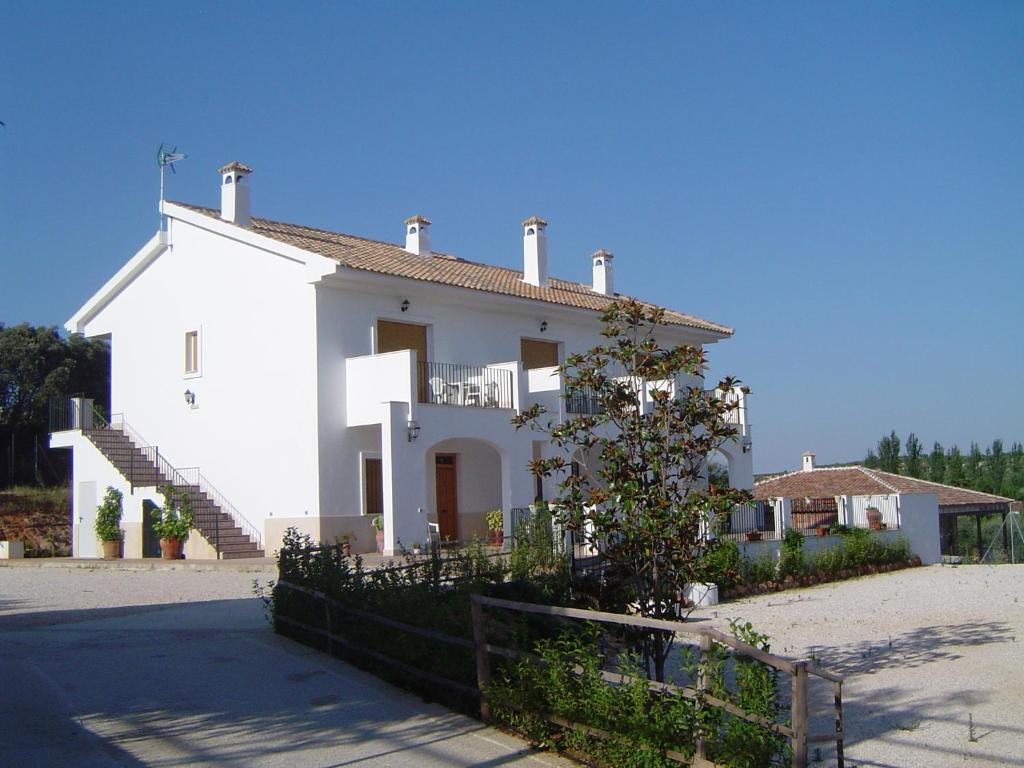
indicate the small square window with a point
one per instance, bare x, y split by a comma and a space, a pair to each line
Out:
192, 352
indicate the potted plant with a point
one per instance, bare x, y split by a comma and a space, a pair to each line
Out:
173, 521
378, 526
874, 517
824, 529
753, 535
108, 523
417, 548
495, 525
345, 540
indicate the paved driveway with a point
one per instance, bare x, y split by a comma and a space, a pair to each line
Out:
178, 668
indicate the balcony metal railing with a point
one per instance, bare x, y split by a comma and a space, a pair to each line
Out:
475, 386
584, 402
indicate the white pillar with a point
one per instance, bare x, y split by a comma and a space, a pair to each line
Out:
783, 516
403, 464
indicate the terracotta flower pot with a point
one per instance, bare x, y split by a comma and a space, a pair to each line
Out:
380, 542
753, 535
497, 538
346, 549
170, 549
111, 550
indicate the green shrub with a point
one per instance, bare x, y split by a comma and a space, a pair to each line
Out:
175, 518
723, 564
759, 571
792, 561
108, 516
564, 680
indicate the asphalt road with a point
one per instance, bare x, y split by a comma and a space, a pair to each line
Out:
169, 668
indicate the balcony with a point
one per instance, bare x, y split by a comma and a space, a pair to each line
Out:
469, 386
400, 377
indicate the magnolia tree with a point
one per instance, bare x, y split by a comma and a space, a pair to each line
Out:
641, 498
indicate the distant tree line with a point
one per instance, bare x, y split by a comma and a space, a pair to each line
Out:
997, 470
37, 363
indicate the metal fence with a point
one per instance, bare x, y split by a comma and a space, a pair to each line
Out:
584, 401
752, 521
477, 386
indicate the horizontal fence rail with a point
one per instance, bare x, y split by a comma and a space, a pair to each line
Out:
476, 386
797, 730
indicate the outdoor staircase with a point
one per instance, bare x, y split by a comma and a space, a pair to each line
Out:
142, 466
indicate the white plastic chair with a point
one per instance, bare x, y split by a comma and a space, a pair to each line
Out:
438, 390
433, 533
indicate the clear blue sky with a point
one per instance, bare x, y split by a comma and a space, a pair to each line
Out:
841, 182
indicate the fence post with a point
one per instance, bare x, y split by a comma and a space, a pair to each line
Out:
837, 692
799, 715
330, 632
701, 746
483, 665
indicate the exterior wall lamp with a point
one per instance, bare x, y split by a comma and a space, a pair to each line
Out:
412, 430
190, 397
405, 305
543, 325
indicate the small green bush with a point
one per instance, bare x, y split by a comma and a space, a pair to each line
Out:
759, 571
792, 561
108, 516
723, 564
175, 519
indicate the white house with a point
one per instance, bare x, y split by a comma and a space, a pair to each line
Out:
811, 498
298, 377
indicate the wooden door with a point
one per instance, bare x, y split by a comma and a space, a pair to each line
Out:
393, 336
447, 496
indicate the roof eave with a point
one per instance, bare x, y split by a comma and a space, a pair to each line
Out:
122, 279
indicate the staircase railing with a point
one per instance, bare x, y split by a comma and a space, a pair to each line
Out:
191, 476
81, 413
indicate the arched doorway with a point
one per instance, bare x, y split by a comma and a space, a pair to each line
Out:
464, 483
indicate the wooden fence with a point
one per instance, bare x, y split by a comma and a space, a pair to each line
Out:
799, 671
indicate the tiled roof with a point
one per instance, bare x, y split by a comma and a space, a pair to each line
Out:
861, 481
390, 259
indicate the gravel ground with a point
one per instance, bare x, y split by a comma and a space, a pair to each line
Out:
925, 652
35, 596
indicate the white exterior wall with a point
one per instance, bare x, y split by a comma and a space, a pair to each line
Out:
284, 408
919, 522
463, 327
253, 430
91, 474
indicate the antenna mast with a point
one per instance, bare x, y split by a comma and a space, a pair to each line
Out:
166, 157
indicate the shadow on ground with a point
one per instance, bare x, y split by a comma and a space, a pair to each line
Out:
210, 684
884, 714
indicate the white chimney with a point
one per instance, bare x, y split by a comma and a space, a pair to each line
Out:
234, 194
808, 461
535, 252
603, 273
417, 235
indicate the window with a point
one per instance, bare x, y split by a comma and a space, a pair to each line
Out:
192, 352
373, 486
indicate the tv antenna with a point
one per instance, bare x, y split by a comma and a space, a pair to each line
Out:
166, 157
